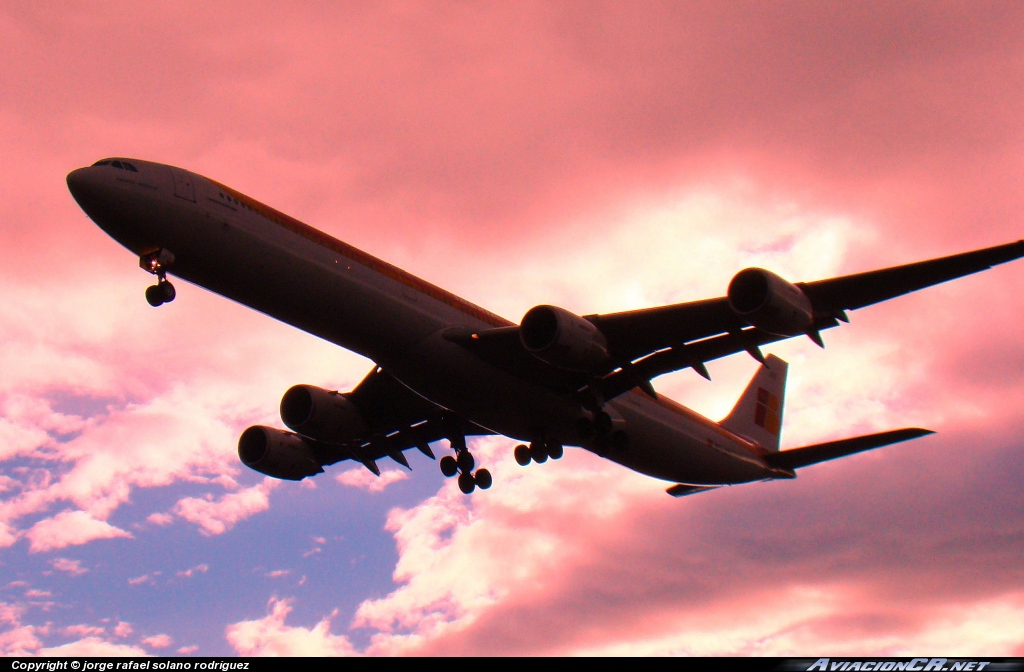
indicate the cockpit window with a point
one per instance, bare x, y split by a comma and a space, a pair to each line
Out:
123, 165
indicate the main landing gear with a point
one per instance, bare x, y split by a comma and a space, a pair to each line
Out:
158, 263
600, 429
462, 464
538, 451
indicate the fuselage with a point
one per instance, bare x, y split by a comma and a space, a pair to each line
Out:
246, 251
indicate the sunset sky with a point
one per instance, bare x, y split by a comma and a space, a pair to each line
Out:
599, 156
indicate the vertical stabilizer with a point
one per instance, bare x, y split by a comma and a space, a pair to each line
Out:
758, 414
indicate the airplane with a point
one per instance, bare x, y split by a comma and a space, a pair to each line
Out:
448, 369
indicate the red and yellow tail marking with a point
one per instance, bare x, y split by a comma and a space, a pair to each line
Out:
766, 413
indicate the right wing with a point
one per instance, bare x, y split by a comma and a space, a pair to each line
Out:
644, 344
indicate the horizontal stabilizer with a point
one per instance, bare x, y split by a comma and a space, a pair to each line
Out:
682, 489
808, 455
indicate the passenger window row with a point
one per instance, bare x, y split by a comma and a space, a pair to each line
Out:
233, 200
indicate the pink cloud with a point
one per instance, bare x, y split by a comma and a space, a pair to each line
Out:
92, 646
604, 158
72, 567
160, 519
82, 631
218, 516
123, 629
270, 636
10, 613
20, 641
187, 650
138, 581
364, 479
70, 528
191, 571
158, 641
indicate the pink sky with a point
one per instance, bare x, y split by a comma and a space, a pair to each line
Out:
598, 156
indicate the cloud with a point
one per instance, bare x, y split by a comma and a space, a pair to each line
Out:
160, 519
219, 516
123, 629
83, 631
634, 572
270, 636
70, 528
72, 567
191, 571
10, 613
605, 157
158, 641
362, 478
20, 641
145, 578
92, 646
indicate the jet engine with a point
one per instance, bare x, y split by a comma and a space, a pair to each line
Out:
562, 339
322, 415
277, 453
770, 303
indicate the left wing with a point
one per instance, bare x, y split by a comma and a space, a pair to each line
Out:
643, 344
398, 419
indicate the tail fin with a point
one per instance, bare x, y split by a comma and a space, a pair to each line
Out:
758, 413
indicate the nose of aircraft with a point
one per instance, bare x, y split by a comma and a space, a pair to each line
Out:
79, 186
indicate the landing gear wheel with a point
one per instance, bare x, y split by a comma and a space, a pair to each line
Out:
538, 452
167, 290
555, 451
467, 483
522, 455
619, 440
154, 295
601, 444
466, 461
602, 422
482, 478
449, 466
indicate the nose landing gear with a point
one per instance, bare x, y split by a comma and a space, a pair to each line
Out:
158, 263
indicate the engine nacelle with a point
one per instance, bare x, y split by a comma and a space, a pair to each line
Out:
277, 453
322, 415
770, 303
556, 336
